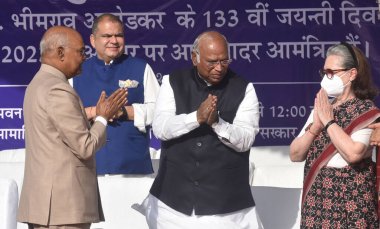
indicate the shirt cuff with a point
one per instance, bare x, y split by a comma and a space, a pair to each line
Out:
139, 121
191, 120
220, 128
101, 119
219, 124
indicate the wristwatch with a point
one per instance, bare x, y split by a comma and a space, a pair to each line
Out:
125, 113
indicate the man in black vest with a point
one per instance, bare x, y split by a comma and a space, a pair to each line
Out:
207, 118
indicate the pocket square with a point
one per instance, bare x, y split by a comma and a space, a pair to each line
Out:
128, 83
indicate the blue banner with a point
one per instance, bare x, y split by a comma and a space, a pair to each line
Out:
278, 45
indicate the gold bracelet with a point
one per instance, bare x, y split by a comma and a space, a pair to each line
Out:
308, 130
313, 133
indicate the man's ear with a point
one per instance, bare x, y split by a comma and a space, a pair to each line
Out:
92, 40
194, 58
61, 53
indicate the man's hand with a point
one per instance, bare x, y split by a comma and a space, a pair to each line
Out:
207, 111
120, 112
214, 116
128, 113
108, 107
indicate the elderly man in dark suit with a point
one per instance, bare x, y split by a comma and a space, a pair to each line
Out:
60, 187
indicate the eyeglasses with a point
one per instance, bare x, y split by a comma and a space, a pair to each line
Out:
213, 64
81, 51
330, 72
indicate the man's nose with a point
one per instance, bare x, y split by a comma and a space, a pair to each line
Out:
113, 39
218, 66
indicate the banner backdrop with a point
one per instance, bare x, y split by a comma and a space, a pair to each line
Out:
278, 45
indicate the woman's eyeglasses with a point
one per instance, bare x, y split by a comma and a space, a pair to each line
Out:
330, 72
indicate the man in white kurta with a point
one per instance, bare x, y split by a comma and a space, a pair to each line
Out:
207, 118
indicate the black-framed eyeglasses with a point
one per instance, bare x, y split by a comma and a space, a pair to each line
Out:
213, 64
331, 72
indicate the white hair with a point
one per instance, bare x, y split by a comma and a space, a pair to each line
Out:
53, 41
195, 47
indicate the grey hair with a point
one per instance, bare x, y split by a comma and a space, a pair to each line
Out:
342, 51
195, 47
53, 41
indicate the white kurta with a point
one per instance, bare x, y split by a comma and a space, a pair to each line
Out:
239, 136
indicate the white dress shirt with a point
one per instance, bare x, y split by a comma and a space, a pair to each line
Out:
143, 112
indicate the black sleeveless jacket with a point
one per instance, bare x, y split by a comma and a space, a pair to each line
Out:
197, 171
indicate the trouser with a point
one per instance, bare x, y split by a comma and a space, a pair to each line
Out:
70, 226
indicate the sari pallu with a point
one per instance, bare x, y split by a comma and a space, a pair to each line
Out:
360, 121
